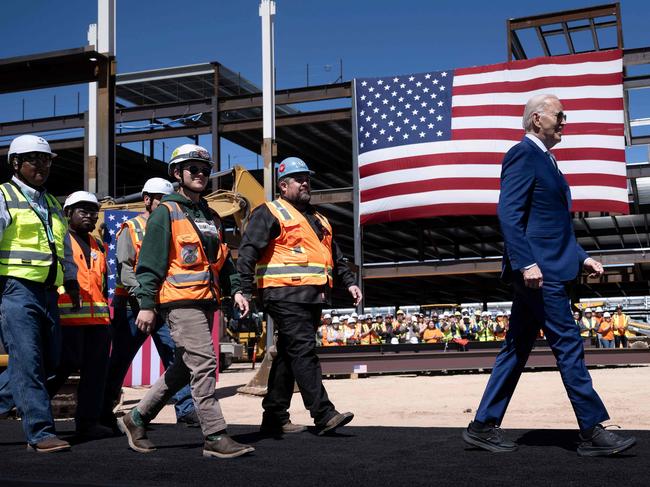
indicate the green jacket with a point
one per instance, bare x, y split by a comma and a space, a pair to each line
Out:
154, 254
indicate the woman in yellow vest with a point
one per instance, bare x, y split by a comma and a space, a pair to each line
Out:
32, 229
183, 268
621, 322
83, 308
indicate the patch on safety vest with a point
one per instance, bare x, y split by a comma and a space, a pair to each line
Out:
190, 253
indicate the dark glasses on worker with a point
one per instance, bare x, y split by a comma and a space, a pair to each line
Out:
194, 170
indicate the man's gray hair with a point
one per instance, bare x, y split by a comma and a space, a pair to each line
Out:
536, 104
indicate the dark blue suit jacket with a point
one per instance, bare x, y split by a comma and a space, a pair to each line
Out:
534, 214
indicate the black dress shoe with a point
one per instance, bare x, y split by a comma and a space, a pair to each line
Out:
602, 442
191, 419
488, 437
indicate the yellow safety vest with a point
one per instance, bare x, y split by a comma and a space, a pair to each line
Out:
25, 250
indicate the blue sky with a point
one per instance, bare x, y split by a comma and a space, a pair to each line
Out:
372, 37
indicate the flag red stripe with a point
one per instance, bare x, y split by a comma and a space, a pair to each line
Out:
601, 56
518, 110
429, 160
468, 183
423, 186
540, 83
146, 361
601, 205
446, 209
590, 154
614, 129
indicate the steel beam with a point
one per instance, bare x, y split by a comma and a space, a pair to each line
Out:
288, 120
425, 360
285, 97
62, 122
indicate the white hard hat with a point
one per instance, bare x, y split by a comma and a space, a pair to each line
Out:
446, 313
345, 317
354, 315
464, 311
599, 309
414, 340
80, 197
394, 341
29, 143
414, 319
588, 310
327, 316
485, 313
335, 320
188, 152
607, 314
157, 186
499, 313
352, 320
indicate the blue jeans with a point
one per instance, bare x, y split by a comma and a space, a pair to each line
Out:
32, 338
606, 343
127, 340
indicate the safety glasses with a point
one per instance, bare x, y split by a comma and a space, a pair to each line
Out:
37, 159
194, 170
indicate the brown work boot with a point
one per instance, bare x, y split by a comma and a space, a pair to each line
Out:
336, 421
270, 428
136, 435
50, 445
223, 446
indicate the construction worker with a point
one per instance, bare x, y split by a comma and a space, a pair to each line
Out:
351, 332
127, 339
182, 266
289, 251
369, 332
432, 334
621, 322
85, 317
500, 327
335, 334
485, 331
589, 324
606, 331
321, 334
32, 231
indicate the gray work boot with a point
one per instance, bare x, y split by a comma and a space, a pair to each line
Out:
336, 421
223, 446
137, 435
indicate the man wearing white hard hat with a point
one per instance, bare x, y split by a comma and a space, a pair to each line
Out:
289, 253
85, 317
127, 339
30, 271
184, 268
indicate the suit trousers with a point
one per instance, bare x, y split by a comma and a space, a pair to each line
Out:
296, 362
547, 308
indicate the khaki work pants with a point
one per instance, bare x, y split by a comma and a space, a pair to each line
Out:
194, 361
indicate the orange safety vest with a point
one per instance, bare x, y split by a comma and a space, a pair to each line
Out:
136, 226
94, 306
372, 338
191, 276
620, 323
296, 257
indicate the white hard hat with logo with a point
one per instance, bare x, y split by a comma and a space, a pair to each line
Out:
188, 152
157, 186
80, 197
24, 144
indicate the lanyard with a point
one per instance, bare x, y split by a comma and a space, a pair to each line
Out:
43, 214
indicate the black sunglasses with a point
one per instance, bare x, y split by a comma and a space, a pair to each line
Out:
194, 170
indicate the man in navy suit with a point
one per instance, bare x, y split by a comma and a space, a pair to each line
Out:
541, 257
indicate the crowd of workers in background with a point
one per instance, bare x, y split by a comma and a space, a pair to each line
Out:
607, 329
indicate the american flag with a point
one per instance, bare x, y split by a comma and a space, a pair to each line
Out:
431, 144
147, 365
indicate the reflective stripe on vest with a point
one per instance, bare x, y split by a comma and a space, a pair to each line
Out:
93, 308
190, 275
296, 257
25, 249
136, 227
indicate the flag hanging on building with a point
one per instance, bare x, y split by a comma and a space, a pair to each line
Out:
431, 144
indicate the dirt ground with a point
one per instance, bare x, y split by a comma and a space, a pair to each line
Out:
443, 400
